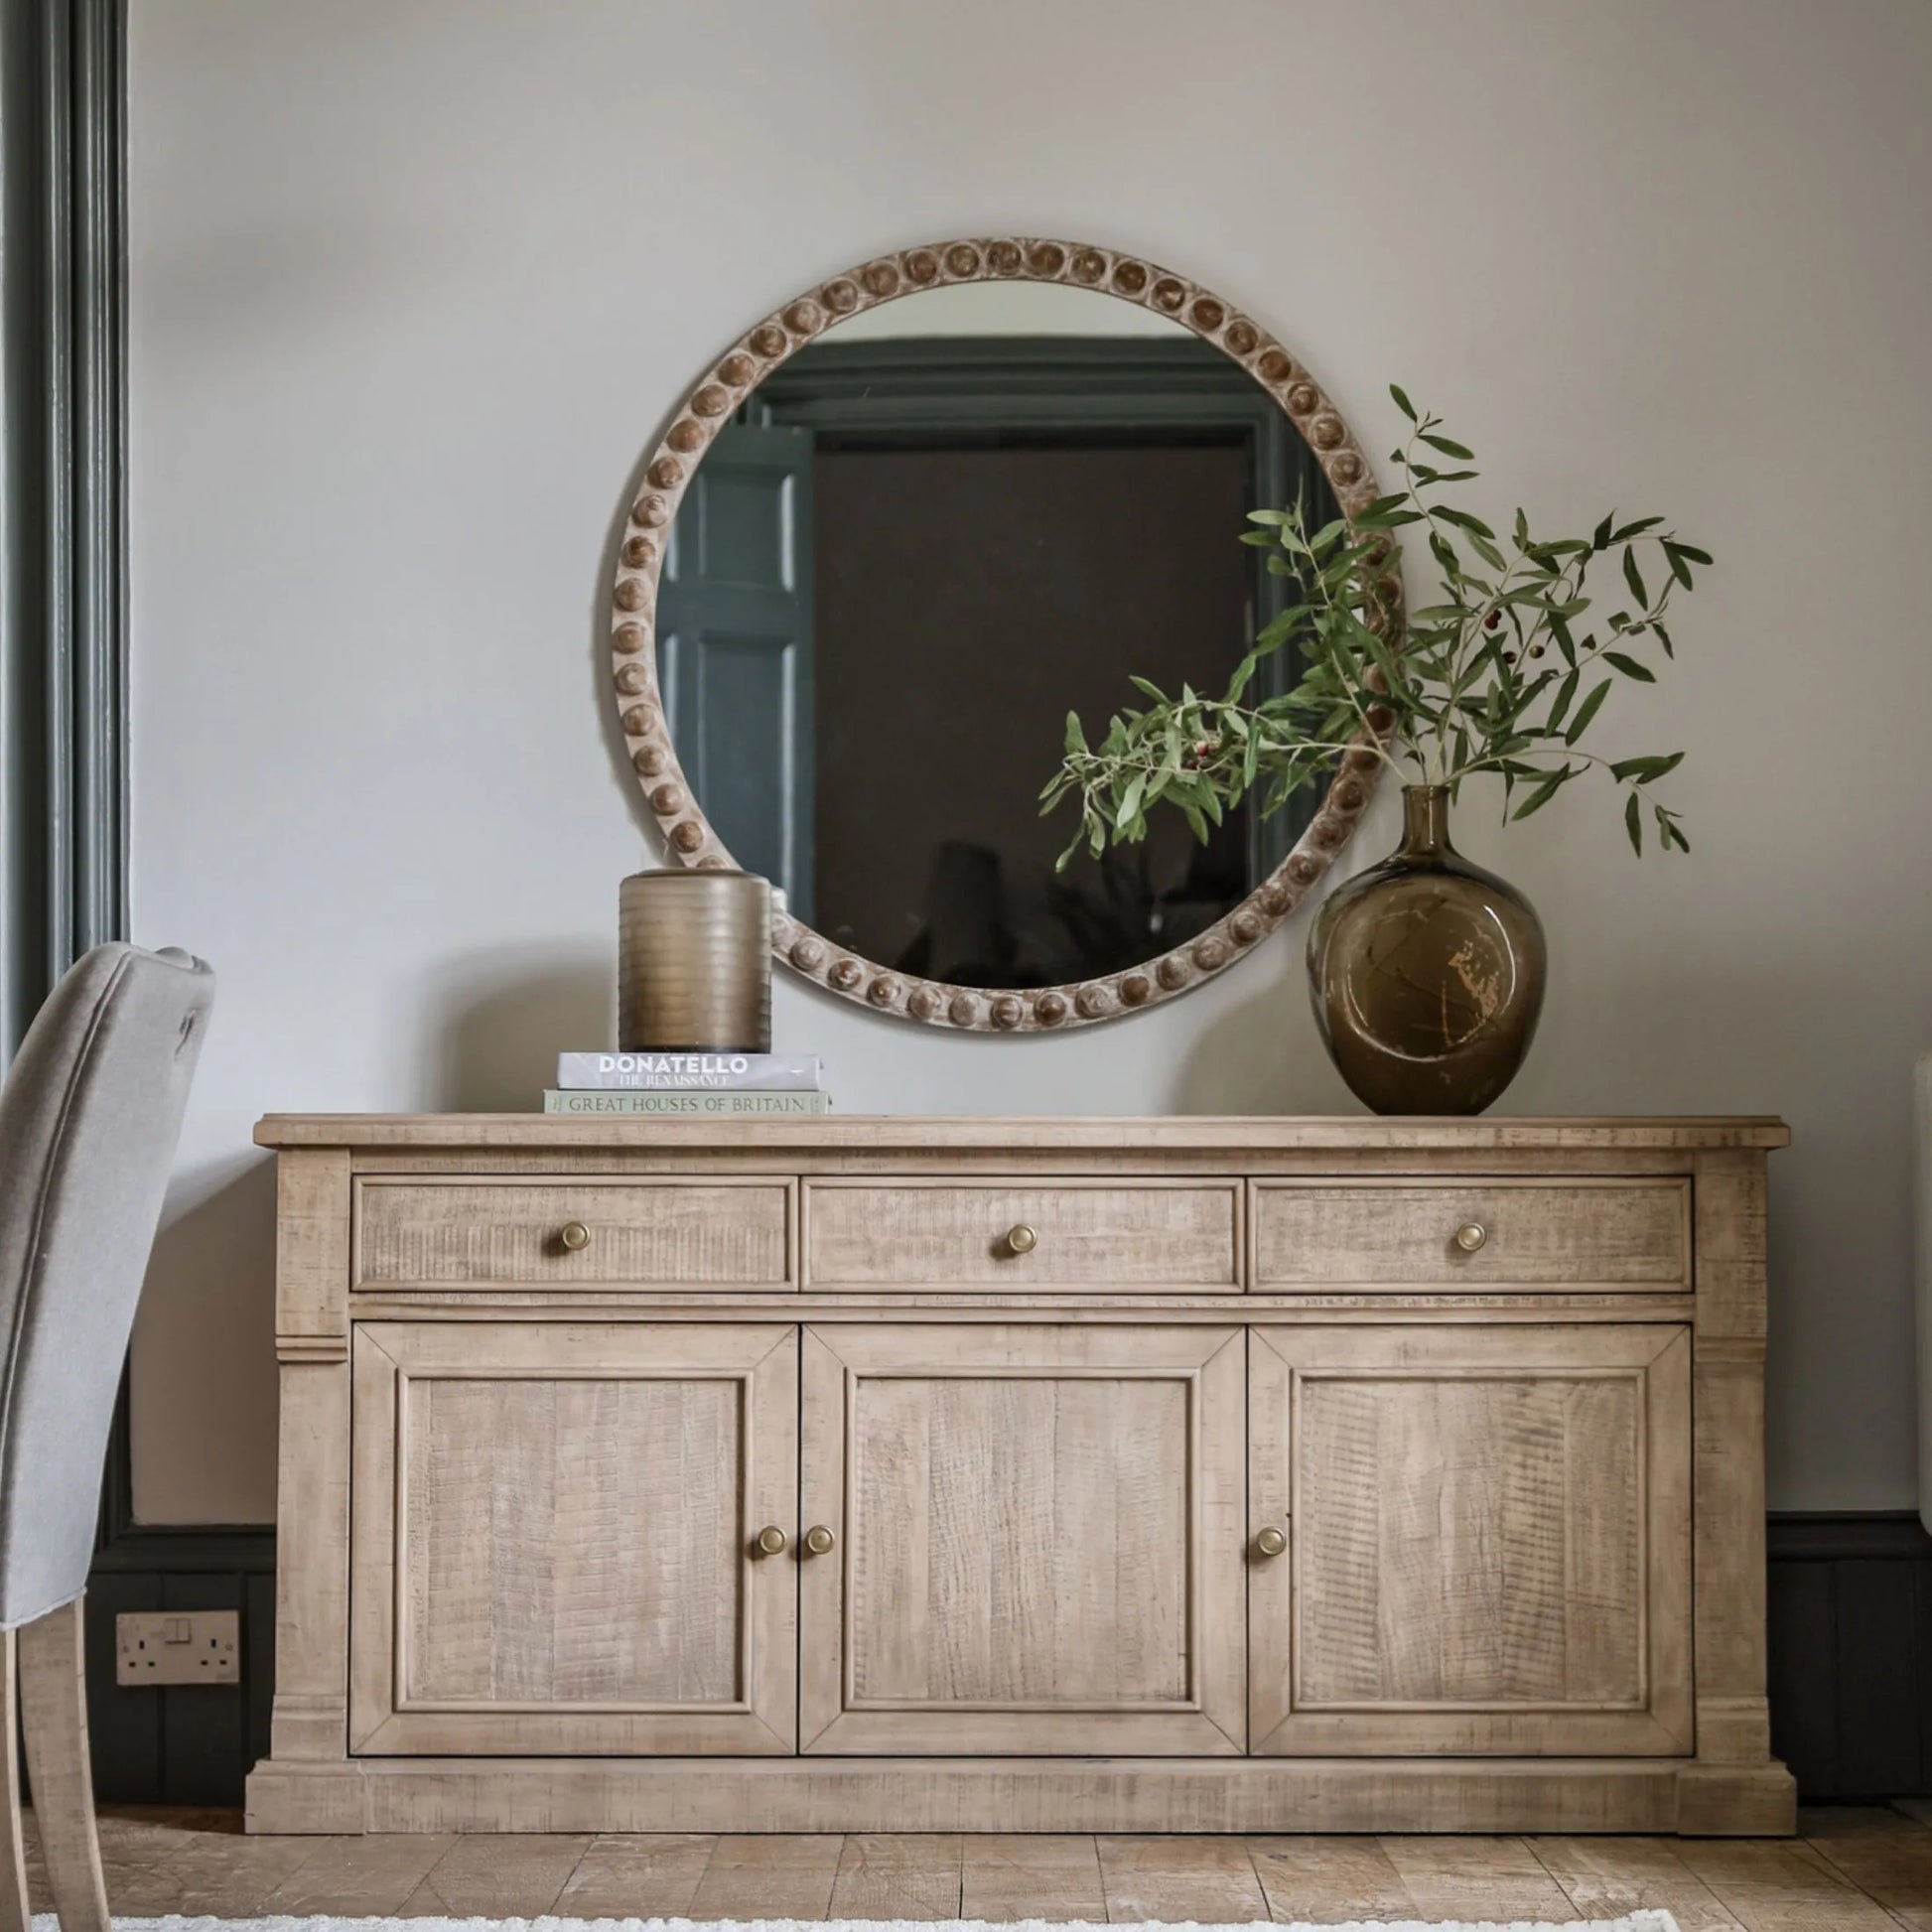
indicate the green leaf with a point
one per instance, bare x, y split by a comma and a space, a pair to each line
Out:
1076, 738
1600, 538
1585, 712
1543, 792
1690, 551
1634, 578
1280, 627
1564, 695
1147, 689
1391, 670
1633, 824
1630, 667
1449, 447
1635, 530
1645, 771
1559, 630
1663, 637
1403, 403
1463, 520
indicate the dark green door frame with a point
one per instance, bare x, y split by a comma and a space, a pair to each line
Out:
63, 501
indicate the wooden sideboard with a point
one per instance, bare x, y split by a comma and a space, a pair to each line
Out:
1091, 1474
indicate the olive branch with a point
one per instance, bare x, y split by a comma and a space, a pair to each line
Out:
1504, 674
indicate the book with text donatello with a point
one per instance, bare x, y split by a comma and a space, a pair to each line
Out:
684, 1072
704, 1103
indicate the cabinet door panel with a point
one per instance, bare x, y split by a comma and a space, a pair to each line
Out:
553, 1530
1039, 1540
1489, 1539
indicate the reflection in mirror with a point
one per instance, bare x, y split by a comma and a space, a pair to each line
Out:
925, 539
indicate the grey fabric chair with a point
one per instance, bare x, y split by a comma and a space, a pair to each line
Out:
90, 1117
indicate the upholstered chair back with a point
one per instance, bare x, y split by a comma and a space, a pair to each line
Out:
90, 1117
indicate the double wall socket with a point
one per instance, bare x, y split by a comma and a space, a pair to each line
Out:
178, 1647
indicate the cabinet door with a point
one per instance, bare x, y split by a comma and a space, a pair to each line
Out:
1489, 1539
554, 1538
1036, 1540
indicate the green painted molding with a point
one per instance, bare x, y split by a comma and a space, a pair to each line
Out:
63, 492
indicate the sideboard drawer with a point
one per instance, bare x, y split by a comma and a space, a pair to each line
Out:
1479, 1233
644, 1233
1134, 1235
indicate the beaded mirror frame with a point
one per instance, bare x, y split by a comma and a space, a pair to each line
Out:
709, 405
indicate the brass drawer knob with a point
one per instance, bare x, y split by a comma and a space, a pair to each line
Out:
1269, 1543
772, 1541
818, 1540
576, 1236
1021, 1240
1470, 1236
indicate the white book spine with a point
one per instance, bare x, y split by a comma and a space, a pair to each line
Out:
723, 1073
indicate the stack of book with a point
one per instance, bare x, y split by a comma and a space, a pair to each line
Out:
702, 1084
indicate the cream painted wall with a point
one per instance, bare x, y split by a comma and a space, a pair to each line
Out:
413, 285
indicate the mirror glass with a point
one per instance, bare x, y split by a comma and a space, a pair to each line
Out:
923, 541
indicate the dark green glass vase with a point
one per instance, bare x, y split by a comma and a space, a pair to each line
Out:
1427, 973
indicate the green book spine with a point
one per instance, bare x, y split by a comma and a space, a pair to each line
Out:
708, 1103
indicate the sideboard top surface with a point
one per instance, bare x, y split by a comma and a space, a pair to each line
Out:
929, 1133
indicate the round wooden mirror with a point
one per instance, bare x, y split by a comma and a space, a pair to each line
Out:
880, 554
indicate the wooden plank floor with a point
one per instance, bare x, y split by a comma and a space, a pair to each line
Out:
1851, 1868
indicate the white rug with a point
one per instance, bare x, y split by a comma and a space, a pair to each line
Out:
1647, 1921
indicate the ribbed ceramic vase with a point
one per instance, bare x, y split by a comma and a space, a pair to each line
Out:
694, 962
1427, 973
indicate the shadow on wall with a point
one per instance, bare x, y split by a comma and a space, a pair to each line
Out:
499, 1024
210, 1284
1262, 1056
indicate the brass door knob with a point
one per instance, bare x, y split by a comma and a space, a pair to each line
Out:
772, 1541
1021, 1240
1470, 1236
818, 1540
1270, 1542
575, 1236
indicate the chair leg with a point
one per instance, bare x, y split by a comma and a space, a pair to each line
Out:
54, 1711
15, 1915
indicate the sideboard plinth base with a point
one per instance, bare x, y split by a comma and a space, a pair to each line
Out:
1657, 1795
1736, 1801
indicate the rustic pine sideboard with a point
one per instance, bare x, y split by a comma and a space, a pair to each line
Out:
917, 1475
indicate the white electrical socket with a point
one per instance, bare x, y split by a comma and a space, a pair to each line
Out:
178, 1647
